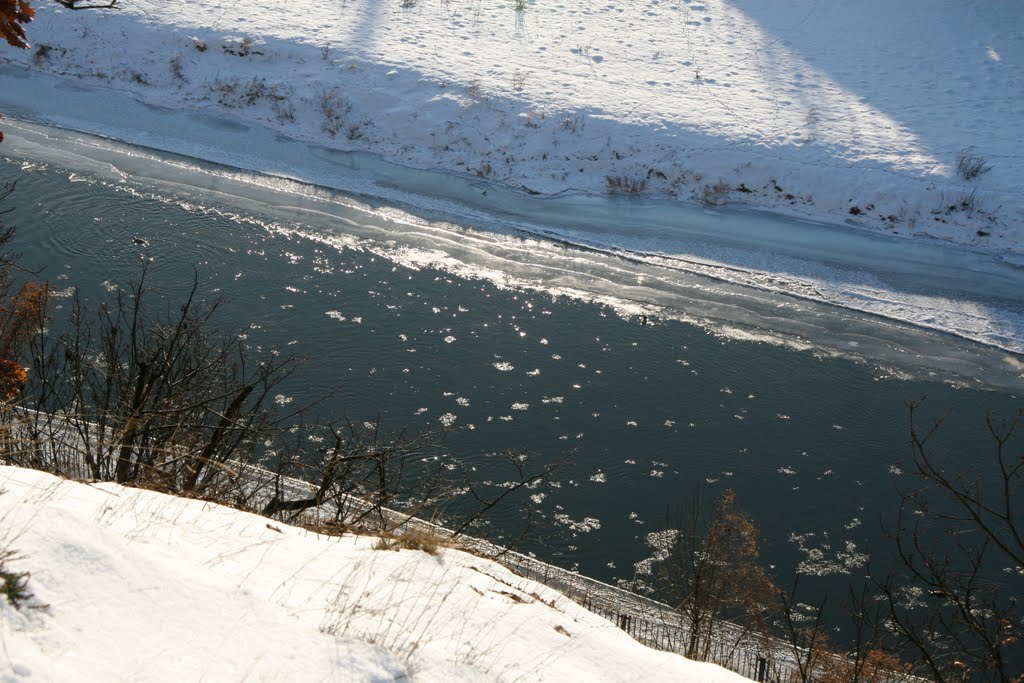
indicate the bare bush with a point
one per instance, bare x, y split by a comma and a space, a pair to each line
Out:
970, 165
474, 91
714, 195
519, 80
235, 93
243, 48
622, 184
573, 123
42, 53
177, 67
333, 107
283, 109
13, 584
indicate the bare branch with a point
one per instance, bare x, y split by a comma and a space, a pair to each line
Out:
78, 4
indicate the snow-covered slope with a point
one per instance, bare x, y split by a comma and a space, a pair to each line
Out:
841, 111
143, 586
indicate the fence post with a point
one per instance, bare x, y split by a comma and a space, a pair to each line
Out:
762, 668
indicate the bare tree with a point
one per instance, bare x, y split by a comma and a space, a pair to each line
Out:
160, 397
156, 396
363, 477
804, 632
366, 474
871, 654
960, 538
80, 4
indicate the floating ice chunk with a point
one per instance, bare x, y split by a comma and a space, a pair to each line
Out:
586, 525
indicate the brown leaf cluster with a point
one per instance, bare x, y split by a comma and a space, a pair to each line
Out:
14, 14
20, 314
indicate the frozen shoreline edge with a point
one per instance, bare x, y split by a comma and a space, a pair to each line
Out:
100, 119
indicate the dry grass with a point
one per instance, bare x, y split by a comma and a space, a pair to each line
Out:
621, 184
334, 108
714, 195
415, 538
970, 165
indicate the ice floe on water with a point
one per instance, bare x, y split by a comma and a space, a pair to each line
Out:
823, 557
583, 526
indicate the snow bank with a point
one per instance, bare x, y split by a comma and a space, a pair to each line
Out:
833, 110
144, 586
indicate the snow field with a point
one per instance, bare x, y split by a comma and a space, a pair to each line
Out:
836, 111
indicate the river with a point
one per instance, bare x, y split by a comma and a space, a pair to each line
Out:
652, 379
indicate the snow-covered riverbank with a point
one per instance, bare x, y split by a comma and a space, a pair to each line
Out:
834, 111
144, 586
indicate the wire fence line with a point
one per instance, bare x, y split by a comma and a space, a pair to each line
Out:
652, 623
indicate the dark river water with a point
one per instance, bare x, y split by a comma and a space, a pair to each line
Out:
813, 444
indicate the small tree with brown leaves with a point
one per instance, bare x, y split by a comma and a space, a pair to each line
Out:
22, 307
712, 572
